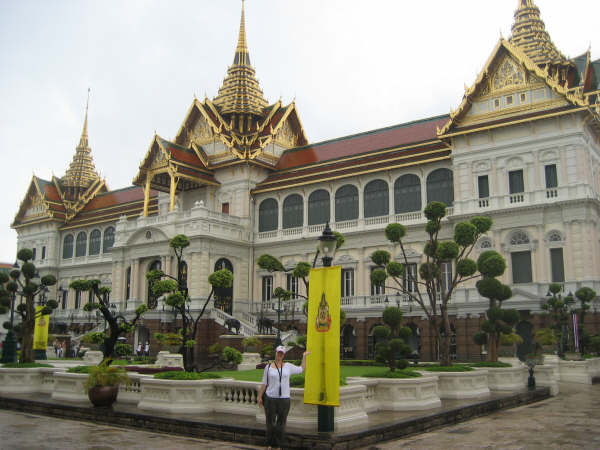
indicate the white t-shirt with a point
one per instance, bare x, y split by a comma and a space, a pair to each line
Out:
274, 374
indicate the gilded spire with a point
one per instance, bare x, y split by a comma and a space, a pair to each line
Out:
240, 93
530, 35
81, 172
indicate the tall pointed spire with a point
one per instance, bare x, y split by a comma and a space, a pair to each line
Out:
530, 35
240, 93
81, 172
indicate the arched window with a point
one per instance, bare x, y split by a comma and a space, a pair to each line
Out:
127, 283
407, 194
267, 215
81, 243
519, 238
376, 199
346, 203
293, 211
95, 238
68, 247
152, 299
318, 207
224, 263
347, 342
109, 239
440, 187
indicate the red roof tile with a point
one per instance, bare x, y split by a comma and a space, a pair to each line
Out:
127, 195
396, 136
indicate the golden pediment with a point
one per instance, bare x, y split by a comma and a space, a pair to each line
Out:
201, 134
35, 206
286, 137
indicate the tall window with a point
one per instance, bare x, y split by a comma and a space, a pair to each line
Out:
95, 238
81, 244
77, 299
267, 215
551, 178
347, 282
34, 250
516, 184
377, 289
376, 199
267, 288
90, 296
43, 253
446, 276
293, 211
407, 194
410, 278
128, 283
318, 207
153, 299
484, 186
292, 285
346, 203
557, 264
440, 187
68, 247
521, 267
64, 299
109, 239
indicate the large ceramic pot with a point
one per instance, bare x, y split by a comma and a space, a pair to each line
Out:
103, 396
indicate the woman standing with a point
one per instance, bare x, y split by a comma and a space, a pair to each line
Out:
276, 382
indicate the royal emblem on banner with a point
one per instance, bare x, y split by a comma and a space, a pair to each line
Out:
323, 322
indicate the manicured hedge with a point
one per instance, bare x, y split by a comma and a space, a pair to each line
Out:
386, 373
360, 362
79, 369
298, 380
25, 365
180, 375
453, 368
490, 364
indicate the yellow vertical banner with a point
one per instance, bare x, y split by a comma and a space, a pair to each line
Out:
322, 381
40, 332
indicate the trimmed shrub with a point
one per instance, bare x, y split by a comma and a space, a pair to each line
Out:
490, 364
395, 374
78, 369
182, 376
453, 368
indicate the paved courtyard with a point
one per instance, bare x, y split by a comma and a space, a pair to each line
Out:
569, 421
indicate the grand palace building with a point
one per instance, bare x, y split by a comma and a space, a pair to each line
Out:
241, 179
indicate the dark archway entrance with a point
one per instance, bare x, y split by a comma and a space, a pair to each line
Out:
224, 297
347, 342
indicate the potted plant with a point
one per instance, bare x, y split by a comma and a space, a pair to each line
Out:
171, 342
251, 344
94, 340
102, 384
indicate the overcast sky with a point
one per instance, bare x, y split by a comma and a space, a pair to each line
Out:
351, 65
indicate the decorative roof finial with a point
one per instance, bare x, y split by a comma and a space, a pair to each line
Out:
530, 35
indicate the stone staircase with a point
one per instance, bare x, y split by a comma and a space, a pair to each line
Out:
248, 325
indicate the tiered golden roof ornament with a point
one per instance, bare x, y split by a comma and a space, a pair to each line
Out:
530, 35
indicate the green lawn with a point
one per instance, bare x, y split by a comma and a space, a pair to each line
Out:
256, 374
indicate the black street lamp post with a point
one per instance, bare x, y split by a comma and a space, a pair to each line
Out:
327, 247
278, 339
9, 346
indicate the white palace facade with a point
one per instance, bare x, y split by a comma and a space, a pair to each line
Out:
241, 179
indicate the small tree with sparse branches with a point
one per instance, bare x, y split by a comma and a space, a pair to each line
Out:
177, 296
434, 293
21, 283
118, 324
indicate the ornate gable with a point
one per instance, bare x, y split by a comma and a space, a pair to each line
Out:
34, 207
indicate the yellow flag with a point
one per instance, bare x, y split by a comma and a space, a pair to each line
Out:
40, 332
322, 382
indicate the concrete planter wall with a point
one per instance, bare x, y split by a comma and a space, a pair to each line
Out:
132, 393
21, 381
547, 375
174, 396
579, 371
69, 387
460, 385
400, 394
237, 397
506, 378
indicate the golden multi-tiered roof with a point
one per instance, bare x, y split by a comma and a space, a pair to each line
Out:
240, 92
530, 35
81, 172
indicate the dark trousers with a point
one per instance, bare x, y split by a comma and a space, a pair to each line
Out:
276, 412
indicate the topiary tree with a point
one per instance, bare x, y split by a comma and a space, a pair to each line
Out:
433, 293
177, 296
585, 295
498, 321
118, 324
390, 347
21, 283
558, 307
